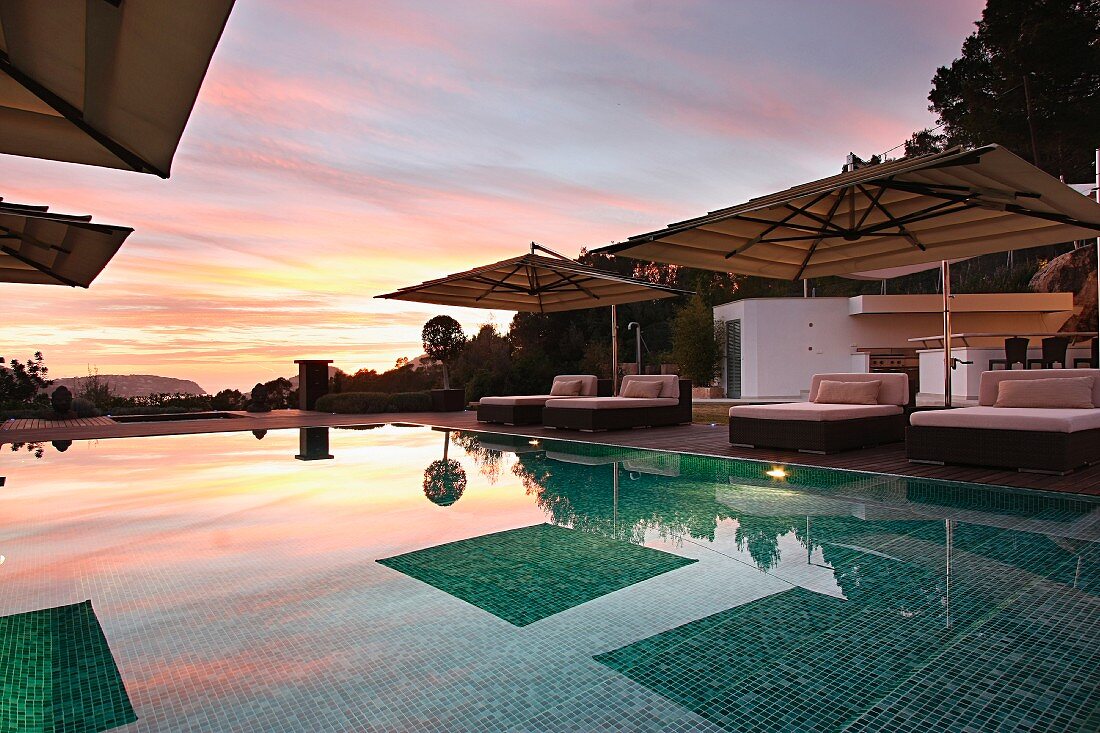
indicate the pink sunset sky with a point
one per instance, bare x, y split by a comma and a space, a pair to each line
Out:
342, 149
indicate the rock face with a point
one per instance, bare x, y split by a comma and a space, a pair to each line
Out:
135, 385
1073, 272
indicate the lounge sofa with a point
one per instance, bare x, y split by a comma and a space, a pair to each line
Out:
818, 426
1043, 439
527, 409
670, 406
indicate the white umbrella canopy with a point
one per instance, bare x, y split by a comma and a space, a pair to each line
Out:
103, 82
534, 283
944, 206
41, 248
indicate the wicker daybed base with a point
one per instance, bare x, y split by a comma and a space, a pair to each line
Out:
510, 414
575, 418
1024, 450
809, 436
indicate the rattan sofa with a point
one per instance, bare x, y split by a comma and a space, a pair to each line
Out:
1045, 440
818, 427
671, 407
527, 409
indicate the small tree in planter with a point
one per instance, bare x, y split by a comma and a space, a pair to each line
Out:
443, 340
695, 345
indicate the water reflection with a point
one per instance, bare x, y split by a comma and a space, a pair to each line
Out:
312, 444
444, 479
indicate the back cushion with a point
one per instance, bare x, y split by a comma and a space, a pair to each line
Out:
670, 383
566, 388
848, 393
894, 389
638, 388
588, 383
1068, 393
987, 391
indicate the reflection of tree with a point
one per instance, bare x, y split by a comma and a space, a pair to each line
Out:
34, 448
760, 536
487, 461
445, 479
582, 496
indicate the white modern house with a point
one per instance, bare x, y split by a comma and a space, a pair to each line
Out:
773, 346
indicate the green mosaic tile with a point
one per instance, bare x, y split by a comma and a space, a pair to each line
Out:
527, 574
57, 673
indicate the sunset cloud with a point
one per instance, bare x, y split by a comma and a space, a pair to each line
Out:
333, 156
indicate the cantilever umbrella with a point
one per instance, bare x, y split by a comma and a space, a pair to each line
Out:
538, 284
39, 247
103, 82
949, 205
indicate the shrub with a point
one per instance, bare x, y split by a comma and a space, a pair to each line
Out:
410, 402
353, 403
85, 408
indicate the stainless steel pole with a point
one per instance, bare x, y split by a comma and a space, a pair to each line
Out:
1097, 240
945, 274
614, 351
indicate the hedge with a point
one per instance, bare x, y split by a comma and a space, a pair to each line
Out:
357, 403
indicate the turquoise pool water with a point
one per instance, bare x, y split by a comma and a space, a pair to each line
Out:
400, 578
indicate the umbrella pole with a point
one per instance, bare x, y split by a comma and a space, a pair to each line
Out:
614, 351
945, 273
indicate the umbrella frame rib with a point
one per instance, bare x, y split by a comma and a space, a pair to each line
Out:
74, 116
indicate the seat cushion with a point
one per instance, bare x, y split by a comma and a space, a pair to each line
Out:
813, 411
894, 389
990, 382
848, 393
515, 400
613, 403
1066, 393
1046, 420
670, 383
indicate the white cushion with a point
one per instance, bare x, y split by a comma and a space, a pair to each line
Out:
1047, 420
639, 388
670, 383
566, 387
831, 392
1066, 393
613, 403
588, 382
813, 411
523, 399
894, 389
989, 385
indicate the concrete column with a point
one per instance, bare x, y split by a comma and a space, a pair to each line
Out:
312, 381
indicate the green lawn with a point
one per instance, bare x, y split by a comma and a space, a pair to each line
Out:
708, 414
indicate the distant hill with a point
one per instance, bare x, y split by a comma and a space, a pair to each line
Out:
135, 385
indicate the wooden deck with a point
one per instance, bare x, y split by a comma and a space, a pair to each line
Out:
701, 439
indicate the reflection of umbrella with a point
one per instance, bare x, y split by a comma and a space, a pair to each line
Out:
445, 479
103, 83
54, 249
538, 284
958, 203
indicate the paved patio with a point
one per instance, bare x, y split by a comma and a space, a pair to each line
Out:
701, 439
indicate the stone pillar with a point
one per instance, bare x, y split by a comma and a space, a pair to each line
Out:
312, 381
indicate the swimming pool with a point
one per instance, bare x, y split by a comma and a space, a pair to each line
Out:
406, 578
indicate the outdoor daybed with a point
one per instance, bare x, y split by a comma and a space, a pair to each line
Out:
1058, 430
527, 409
851, 415
669, 404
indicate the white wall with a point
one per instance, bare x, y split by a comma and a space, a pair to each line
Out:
785, 341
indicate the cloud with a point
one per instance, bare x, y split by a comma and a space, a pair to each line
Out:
339, 154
